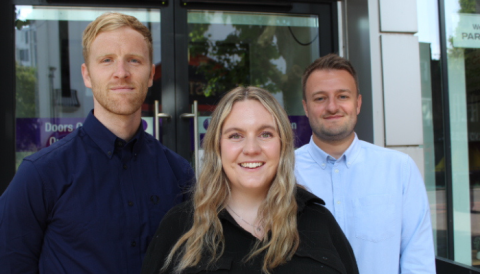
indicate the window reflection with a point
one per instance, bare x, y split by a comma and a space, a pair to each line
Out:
227, 49
51, 99
462, 19
433, 129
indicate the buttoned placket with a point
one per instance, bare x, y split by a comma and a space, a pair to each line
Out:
126, 179
337, 169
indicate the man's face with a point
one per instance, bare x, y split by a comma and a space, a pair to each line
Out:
119, 71
331, 105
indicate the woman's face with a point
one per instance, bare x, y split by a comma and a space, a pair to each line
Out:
250, 147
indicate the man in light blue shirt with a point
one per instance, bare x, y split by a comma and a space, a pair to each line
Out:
377, 195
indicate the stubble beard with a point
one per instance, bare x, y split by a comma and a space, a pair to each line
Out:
120, 104
336, 134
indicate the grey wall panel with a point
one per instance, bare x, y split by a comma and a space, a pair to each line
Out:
398, 16
402, 90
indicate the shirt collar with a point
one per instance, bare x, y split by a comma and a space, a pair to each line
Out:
322, 158
105, 139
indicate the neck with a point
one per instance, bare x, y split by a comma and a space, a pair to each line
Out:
246, 202
244, 209
123, 126
334, 148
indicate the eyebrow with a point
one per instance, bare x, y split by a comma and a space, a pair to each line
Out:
336, 91
139, 56
263, 127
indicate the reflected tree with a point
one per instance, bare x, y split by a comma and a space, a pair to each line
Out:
249, 55
26, 82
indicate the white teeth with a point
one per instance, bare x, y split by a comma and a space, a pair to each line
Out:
251, 165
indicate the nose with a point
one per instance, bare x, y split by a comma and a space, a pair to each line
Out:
121, 70
251, 147
332, 106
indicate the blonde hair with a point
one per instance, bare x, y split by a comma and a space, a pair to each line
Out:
112, 21
278, 212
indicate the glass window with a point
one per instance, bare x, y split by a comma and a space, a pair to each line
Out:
271, 51
462, 18
51, 99
433, 130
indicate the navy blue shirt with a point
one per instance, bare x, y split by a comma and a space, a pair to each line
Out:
90, 203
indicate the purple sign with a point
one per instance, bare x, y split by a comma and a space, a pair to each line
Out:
34, 134
301, 130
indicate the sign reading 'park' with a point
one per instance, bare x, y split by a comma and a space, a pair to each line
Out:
467, 32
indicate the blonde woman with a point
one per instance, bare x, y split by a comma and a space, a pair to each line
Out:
247, 214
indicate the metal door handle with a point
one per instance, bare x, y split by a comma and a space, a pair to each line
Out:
194, 115
157, 124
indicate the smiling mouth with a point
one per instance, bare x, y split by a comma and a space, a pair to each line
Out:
252, 165
333, 117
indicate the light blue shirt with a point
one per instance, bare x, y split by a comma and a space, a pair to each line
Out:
378, 198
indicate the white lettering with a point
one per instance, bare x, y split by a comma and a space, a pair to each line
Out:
79, 125
52, 140
294, 125
58, 128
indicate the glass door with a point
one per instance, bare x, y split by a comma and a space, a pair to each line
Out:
51, 99
226, 49
199, 54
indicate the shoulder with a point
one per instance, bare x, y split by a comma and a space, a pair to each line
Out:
175, 223
302, 150
379, 154
180, 212
57, 149
374, 149
302, 154
309, 204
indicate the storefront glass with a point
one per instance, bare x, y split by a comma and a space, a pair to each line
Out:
271, 51
433, 124
462, 20
51, 99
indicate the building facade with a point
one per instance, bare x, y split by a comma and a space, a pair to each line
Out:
418, 63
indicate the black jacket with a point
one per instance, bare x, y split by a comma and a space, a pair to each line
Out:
323, 247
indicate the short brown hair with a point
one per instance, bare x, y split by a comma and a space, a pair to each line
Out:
329, 62
112, 21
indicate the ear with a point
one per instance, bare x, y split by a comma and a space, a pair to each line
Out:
359, 103
86, 76
152, 73
305, 107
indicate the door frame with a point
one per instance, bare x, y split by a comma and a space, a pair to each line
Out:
174, 52
328, 37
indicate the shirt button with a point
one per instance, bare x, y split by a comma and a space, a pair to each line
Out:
325, 258
338, 202
125, 166
130, 203
133, 243
336, 170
